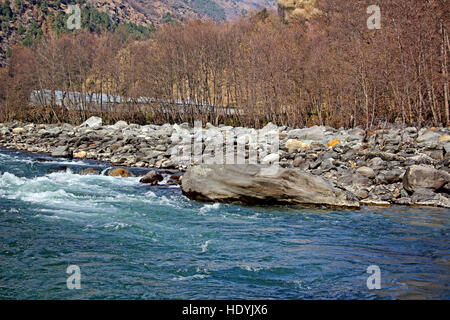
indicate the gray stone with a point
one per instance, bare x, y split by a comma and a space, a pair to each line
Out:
315, 133
271, 158
119, 125
327, 165
377, 163
269, 127
5, 131
153, 154
366, 172
62, 152
361, 194
410, 130
353, 180
353, 138
315, 164
152, 177
357, 131
389, 176
386, 156
252, 184
424, 177
426, 197
298, 161
89, 172
435, 154
420, 159
92, 122
161, 147
430, 137
447, 147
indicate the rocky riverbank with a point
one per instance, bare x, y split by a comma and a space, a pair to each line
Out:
388, 166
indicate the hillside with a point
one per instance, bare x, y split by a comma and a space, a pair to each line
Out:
142, 11
157, 11
236, 8
23, 21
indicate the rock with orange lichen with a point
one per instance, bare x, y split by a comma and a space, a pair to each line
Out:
334, 142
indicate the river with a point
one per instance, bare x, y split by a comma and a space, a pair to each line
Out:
134, 241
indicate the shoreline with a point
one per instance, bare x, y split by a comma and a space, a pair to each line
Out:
371, 165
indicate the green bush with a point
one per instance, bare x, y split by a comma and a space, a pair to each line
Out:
167, 18
96, 21
6, 13
21, 30
59, 23
125, 31
34, 33
209, 8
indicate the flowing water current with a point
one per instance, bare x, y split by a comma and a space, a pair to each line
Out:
135, 241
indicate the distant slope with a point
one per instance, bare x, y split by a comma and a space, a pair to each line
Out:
158, 11
23, 21
236, 8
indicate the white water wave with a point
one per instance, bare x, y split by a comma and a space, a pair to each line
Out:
76, 194
209, 207
116, 225
255, 267
204, 246
108, 203
193, 277
24, 158
150, 194
7, 179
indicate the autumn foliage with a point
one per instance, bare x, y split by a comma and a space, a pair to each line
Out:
330, 70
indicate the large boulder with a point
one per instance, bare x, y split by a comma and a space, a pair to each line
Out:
417, 177
252, 184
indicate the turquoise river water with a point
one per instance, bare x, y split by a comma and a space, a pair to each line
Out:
134, 241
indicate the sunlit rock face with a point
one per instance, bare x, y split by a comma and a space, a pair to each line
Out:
297, 9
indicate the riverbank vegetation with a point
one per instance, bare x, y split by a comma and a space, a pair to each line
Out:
327, 70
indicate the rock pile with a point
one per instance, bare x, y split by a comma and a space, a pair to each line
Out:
382, 167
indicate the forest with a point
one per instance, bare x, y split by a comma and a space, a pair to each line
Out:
330, 69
